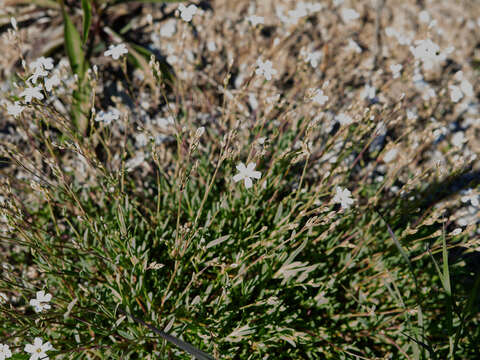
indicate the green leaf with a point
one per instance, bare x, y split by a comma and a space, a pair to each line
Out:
20, 357
87, 19
76, 57
73, 46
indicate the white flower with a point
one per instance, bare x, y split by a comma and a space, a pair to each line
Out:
186, 13
46, 63
5, 352
467, 88
108, 116
265, 68
13, 21
353, 46
141, 139
368, 92
40, 303
168, 30
134, 162
428, 52
15, 109
38, 349
349, 15
396, 69
3, 298
455, 93
458, 139
390, 155
343, 197
313, 57
471, 196
412, 114
32, 92
38, 72
343, 119
246, 174
54, 80
255, 20
319, 97
456, 231
116, 51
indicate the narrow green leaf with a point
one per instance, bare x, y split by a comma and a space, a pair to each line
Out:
76, 57
73, 46
87, 19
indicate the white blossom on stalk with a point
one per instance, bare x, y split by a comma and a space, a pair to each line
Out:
32, 92
108, 116
343, 197
13, 21
5, 352
319, 97
38, 349
246, 173
54, 80
265, 68
187, 12
41, 302
15, 109
396, 69
3, 298
455, 93
116, 51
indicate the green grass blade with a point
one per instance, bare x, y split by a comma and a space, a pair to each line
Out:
87, 19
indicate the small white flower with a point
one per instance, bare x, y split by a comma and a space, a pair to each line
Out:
470, 195
15, 109
38, 72
135, 162
396, 69
42, 62
428, 52
5, 352
32, 92
353, 46
349, 15
319, 97
343, 119
169, 29
108, 116
200, 131
266, 69
54, 80
368, 92
255, 20
186, 13
343, 197
116, 51
456, 231
467, 88
141, 139
246, 174
13, 21
38, 349
312, 57
3, 298
390, 155
40, 303
412, 114
455, 93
